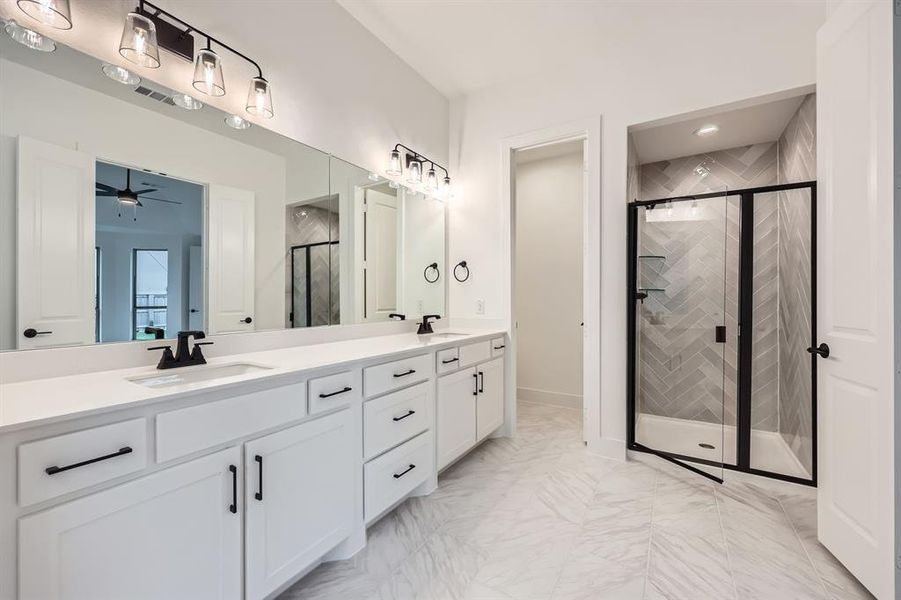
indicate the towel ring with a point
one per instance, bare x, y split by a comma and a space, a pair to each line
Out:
461, 265
425, 272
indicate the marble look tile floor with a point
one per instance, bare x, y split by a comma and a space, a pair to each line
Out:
537, 517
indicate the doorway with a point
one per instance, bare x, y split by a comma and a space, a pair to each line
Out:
549, 186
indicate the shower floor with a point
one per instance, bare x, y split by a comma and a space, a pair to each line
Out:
769, 452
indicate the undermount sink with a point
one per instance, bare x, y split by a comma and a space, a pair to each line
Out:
446, 335
199, 374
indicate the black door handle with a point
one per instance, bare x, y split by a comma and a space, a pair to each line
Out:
481, 382
822, 350
259, 494
233, 507
404, 472
410, 413
405, 373
32, 332
120, 452
475, 378
247, 320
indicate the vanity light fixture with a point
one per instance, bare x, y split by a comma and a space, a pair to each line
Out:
236, 122
54, 13
431, 180
706, 130
120, 74
414, 172
402, 156
394, 169
138, 43
27, 37
187, 101
149, 27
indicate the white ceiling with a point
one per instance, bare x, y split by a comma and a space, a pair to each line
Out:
738, 127
460, 46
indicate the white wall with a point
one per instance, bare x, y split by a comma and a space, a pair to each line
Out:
548, 295
665, 79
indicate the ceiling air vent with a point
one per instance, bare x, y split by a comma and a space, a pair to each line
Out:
156, 95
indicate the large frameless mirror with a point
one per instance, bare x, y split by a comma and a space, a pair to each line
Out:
130, 212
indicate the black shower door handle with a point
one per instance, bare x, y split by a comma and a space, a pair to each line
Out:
822, 350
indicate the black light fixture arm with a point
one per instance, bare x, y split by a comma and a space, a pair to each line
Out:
421, 157
155, 10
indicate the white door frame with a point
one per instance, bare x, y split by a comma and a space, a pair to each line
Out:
590, 131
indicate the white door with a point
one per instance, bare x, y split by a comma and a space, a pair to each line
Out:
195, 288
231, 259
490, 410
380, 276
855, 499
55, 254
167, 535
299, 498
456, 419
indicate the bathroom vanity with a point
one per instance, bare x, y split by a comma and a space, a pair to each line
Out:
235, 478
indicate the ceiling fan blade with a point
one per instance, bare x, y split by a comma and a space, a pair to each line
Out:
104, 187
147, 191
161, 200
113, 193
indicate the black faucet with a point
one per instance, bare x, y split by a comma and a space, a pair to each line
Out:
397, 317
426, 326
183, 358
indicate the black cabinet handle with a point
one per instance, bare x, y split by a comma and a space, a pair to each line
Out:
481, 382
404, 472
501, 347
344, 391
449, 361
233, 507
405, 373
822, 350
259, 494
32, 332
120, 452
402, 417
247, 320
475, 380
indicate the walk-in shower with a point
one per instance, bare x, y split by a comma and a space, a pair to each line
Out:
721, 314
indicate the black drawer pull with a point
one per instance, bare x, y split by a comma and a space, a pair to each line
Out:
233, 507
120, 452
344, 391
402, 417
449, 361
259, 494
501, 347
405, 373
404, 472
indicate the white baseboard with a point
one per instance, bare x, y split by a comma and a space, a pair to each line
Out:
549, 397
608, 448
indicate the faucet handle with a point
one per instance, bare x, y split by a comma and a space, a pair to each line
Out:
166, 360
169, 348
197, 353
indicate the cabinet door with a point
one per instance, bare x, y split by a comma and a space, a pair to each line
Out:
299, 497
490, 414
171, 534
456, 415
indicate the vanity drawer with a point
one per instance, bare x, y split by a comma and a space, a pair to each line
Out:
497, 347
70, 462
474, 353
333, 391
392, 419
181, 432
393, 475
397, 374
448, 360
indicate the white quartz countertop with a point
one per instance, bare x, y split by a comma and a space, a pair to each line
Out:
42, 401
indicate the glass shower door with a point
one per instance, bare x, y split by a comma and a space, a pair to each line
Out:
685, 324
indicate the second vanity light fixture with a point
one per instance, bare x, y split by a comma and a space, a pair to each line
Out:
403, 159
146, 31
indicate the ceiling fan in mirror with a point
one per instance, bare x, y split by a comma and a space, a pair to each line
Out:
128, 197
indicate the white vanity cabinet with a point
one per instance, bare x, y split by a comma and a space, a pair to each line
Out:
173, 534
490, 401
456, 409
299, 499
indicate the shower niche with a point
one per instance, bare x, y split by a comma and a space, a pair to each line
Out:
721, 313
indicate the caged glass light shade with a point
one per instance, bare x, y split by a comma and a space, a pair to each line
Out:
414, 172
138, 43
259, 98
29, 38
54, 13
394, 167
208, 73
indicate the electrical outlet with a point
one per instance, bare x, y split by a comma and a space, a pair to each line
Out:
480, 307
419, 306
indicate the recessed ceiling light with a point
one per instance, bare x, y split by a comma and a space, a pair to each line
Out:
117, 73
236, 122
27, 37
187, 102
707, 130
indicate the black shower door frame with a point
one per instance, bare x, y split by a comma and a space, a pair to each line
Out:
309, 292
745, 342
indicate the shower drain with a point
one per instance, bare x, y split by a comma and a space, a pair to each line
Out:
707, 446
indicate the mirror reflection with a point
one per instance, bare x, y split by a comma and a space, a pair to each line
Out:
130, 214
